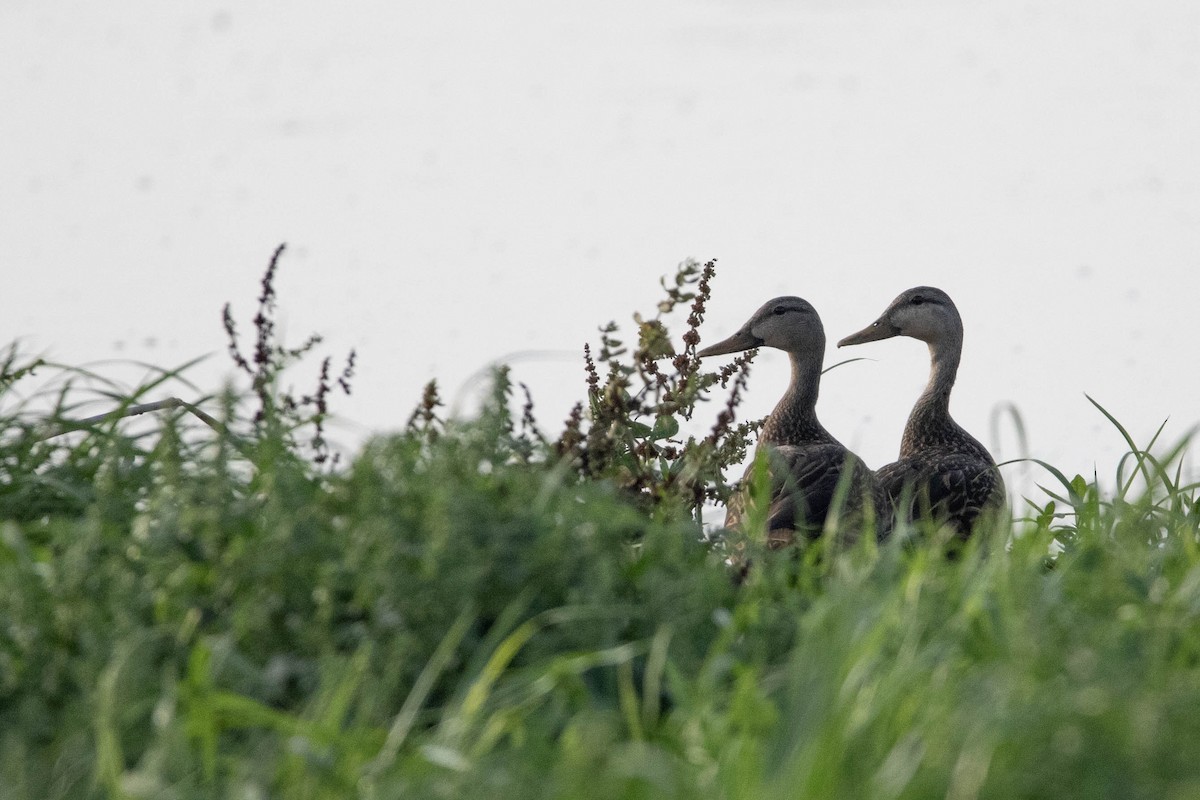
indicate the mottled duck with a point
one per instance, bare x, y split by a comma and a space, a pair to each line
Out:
942, 470
807, 465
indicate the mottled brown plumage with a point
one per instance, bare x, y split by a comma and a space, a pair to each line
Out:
807, 464
942, 469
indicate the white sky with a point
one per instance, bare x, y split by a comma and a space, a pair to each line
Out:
459, 181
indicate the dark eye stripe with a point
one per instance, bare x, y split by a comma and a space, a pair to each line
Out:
781, 310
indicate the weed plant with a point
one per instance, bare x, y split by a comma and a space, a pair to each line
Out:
214, 608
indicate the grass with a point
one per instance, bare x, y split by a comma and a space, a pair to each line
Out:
469, 607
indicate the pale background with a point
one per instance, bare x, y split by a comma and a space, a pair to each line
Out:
460, 181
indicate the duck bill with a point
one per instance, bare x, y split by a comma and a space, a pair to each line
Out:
742, 340
879, 329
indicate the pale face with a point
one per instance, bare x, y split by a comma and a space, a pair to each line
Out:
923, 313
785, 323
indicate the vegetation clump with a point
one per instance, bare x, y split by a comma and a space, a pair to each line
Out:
212, 606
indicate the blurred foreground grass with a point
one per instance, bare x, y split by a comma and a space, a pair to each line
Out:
462, 611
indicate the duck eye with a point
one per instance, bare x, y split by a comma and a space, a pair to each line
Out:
778, 311
918, 300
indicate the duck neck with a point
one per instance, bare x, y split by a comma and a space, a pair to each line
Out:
794, 420
930, 418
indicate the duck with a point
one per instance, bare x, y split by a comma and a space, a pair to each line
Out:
808, 466
942, 471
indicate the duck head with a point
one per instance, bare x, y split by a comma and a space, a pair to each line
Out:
922, 312
785, 323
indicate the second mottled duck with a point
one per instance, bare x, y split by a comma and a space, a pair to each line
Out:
807, 464
942, 469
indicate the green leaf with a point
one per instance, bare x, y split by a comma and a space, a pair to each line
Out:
640, 429
1079, 486
664, 428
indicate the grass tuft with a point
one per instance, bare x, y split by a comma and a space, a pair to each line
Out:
473, 606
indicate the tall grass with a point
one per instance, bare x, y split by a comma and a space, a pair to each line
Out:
472, 607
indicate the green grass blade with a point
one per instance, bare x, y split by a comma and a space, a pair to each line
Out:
403, 722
